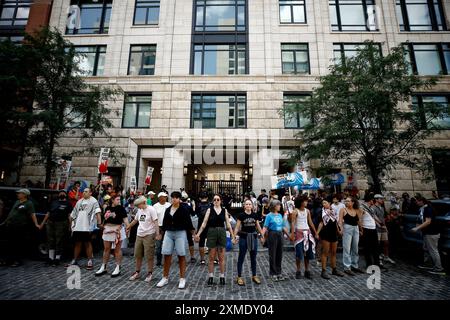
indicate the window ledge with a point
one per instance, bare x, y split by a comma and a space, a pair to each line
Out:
89, 35
154, 26
426, 32
356, 32
293, 24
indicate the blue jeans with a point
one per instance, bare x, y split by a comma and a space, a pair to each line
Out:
350, 240
242, 252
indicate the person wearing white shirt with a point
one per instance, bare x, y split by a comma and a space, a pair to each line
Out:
369, 237
147, 234
84, 218
160, 208
337, 204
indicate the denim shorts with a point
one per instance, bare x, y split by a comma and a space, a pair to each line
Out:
300, 251
174, 240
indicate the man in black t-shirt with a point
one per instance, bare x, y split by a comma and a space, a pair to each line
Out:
426, 223
57, 219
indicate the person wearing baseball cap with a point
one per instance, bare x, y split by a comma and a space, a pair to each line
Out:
380, 213
160, 208
17, 222
150, 196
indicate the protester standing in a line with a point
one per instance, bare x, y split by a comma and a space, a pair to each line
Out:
115, 216
147, 233
274, 226
57, 222
328, 231
160, 208
176, 222
426, 223
349, 222
16, 227
246, 228
216, 220
85, 217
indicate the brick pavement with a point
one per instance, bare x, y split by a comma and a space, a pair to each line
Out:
35, 280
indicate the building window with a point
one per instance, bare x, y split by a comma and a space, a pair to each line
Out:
418, 103
136, 111
94, 17
219, 59
420, 15
428, 59
14, 12
91, 60
220, 15
142, 60
348, 50
146, 12
218, 111
295, 58
292, 11
75, 120
292, 118
353, 15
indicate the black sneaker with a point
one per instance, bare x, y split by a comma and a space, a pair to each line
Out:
357, 270
210, 281
325, 275
349, 272
308, 274
202, 262
222, 281
193, 260
158, 264
298, 275
55, 263
216, 261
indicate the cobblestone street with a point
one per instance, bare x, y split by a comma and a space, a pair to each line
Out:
35, 280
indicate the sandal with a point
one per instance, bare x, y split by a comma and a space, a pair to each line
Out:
240, 281
256, 280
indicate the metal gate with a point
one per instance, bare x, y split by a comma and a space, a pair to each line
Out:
235, 189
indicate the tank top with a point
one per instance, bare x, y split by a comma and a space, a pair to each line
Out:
348, 219
302, 220
216, 220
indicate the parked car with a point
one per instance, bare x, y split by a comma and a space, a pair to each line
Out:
441, 209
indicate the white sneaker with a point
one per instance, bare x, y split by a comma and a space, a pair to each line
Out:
163, 282
182, 283
148, 278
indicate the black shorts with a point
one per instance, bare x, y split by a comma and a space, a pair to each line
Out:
189, 238
81, 236
202, 241
329, 232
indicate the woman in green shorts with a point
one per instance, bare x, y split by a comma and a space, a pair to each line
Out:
215, 220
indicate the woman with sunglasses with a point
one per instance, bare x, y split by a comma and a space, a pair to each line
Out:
216, 218
349, 222
246, 227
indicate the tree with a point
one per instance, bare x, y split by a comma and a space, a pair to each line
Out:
63, 102
359, 119
16, 82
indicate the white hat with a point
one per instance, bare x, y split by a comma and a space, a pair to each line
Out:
150, 193
162, 194
378, 196
184, 195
